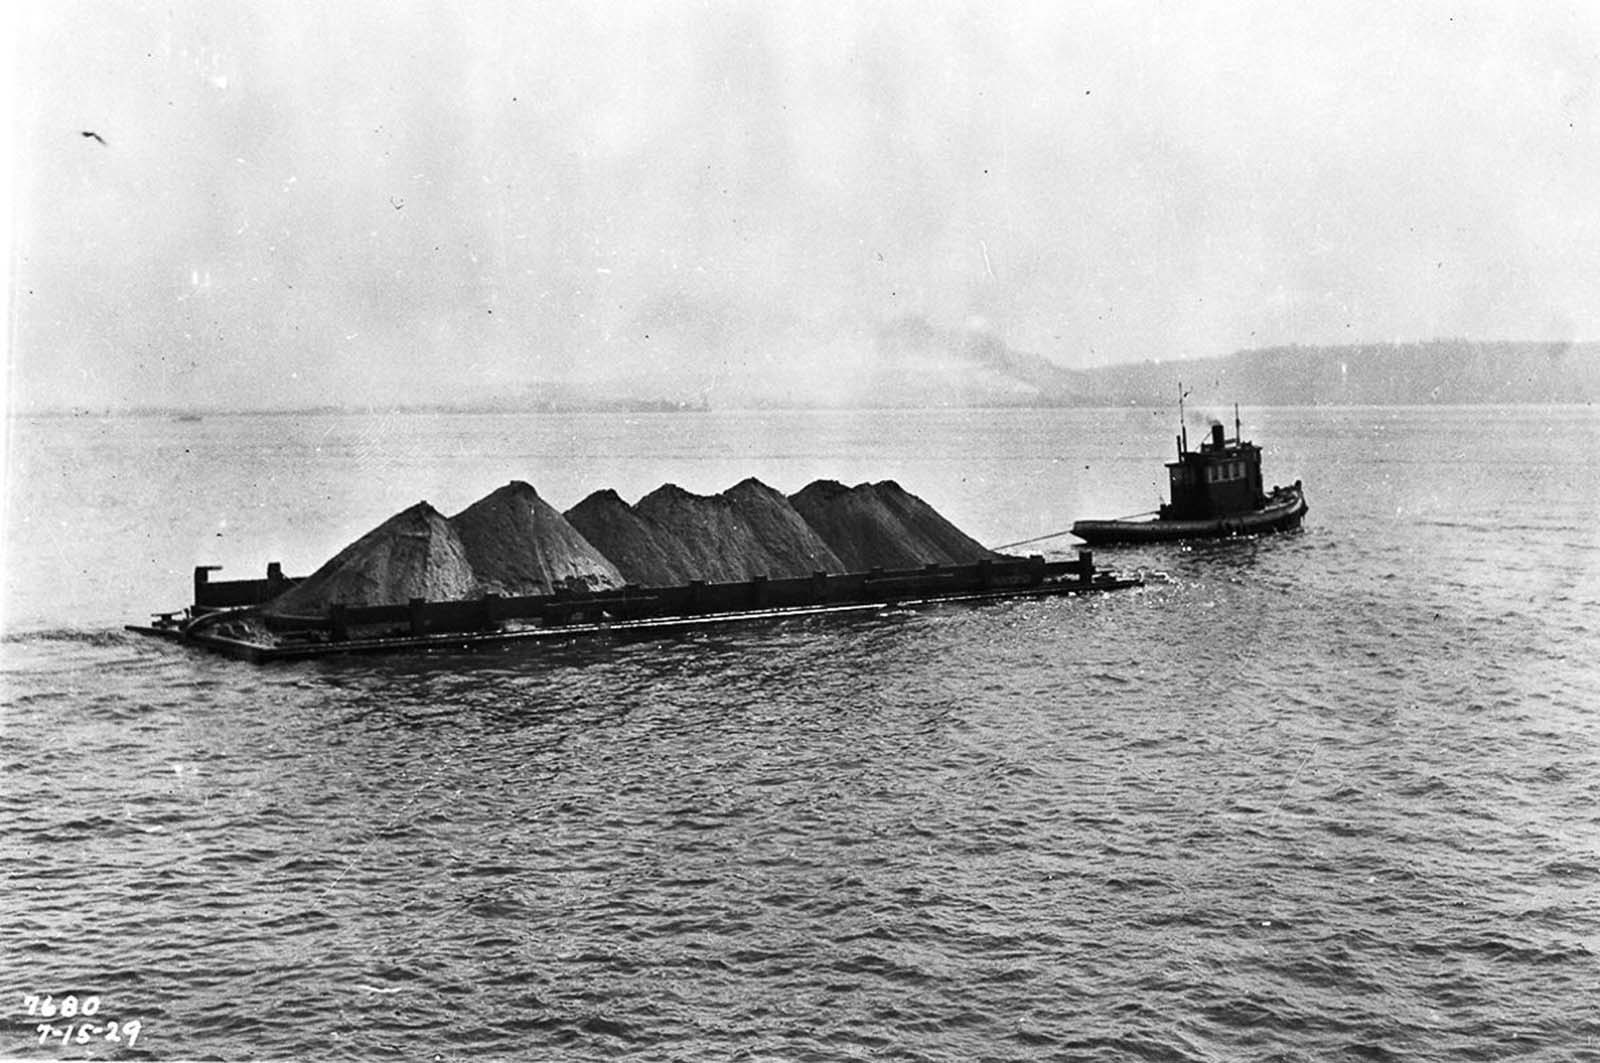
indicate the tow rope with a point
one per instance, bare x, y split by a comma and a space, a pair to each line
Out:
1068, 531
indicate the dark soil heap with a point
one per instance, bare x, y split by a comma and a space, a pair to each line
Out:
883, 525
643, 551
519, 544
514, 543
413, 554
792, 547
726, 535
940, 534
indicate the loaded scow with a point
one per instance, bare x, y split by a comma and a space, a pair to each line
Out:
511, 567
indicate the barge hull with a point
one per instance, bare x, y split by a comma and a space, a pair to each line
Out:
259, 653
248, 632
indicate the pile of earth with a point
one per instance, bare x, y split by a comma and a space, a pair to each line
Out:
673, 536
513, 543
414, 554
746, 531
645, 552
883, 525
518, 544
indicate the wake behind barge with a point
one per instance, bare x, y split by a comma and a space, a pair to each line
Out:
228, 617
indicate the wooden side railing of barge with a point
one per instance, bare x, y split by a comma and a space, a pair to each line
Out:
230, 594
697, 598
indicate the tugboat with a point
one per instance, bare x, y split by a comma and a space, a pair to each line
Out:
1216, 493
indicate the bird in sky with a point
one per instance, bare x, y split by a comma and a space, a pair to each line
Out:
96, 136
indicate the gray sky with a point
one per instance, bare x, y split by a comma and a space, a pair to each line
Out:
300, 202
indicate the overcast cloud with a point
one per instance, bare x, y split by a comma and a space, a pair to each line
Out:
297, 203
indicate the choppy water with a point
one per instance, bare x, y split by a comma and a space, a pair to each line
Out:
1333, 795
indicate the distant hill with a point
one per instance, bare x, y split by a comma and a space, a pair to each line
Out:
1441, 372
911, 364
922, 365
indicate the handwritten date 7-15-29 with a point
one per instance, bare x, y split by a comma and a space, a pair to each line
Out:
80, 1026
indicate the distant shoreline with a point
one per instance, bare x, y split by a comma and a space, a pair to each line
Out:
1426, 374
425, 411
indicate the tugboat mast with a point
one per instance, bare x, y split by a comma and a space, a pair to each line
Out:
1183, 427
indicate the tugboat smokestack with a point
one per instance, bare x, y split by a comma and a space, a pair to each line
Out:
1216, 436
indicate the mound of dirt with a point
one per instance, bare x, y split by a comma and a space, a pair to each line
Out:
413, 554
748, 531
643, 551
519, 544
951, 541
514, 543
791, 547
883, 525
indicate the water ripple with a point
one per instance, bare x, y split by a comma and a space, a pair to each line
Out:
1325, 796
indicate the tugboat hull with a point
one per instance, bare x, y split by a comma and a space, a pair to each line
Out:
1283, 511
